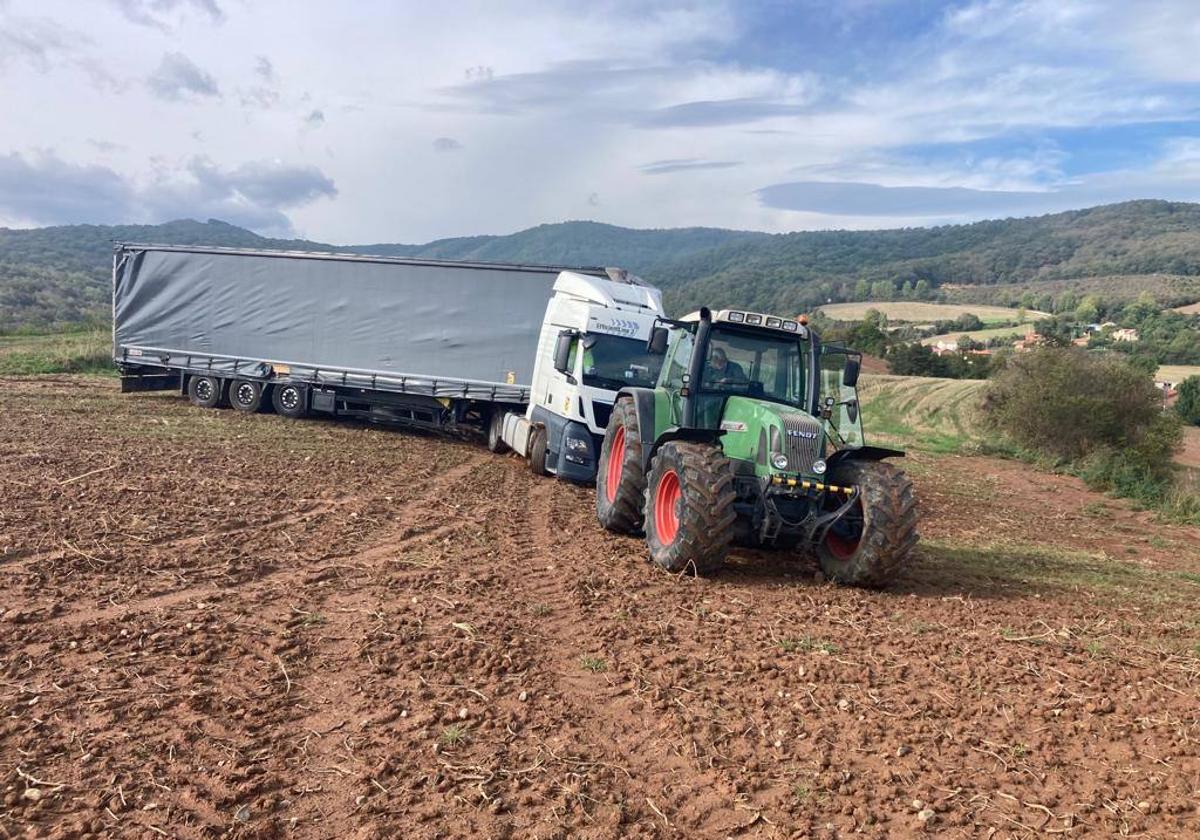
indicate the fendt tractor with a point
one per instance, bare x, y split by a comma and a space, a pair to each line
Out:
753, 434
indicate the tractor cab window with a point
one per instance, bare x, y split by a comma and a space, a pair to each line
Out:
845, 417
613, 362
760, 365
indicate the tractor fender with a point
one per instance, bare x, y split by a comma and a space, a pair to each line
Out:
676, 433
643, 405
862, 453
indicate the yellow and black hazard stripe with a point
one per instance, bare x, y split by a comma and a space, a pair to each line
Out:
804, 484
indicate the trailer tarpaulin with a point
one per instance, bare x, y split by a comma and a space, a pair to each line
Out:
434, 327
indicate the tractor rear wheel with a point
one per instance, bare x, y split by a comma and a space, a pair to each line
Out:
689, 507
875, 539
620, 476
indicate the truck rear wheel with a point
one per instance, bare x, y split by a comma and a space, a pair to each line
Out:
870, 545
204, 391
290, 399
620, 476
689, 507
495, 440
245, 395
538, 444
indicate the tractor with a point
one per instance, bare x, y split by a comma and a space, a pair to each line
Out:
753, 435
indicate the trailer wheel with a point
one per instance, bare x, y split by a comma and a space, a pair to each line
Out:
204, 391
495, 442
290, 400
246, 395
689, 507
538, 445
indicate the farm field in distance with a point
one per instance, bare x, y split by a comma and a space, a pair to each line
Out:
1176, 373
1190, 309
215, 623
981, 335
923, 313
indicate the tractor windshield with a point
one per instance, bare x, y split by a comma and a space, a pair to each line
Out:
613, 362
759, 364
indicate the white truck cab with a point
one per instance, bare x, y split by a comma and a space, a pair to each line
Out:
592, 344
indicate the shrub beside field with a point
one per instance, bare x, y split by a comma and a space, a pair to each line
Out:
75, 352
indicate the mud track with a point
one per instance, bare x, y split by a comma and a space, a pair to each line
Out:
226, 625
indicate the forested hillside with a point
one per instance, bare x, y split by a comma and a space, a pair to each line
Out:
51, 276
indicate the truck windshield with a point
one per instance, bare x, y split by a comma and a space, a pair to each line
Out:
760, 364
613, 362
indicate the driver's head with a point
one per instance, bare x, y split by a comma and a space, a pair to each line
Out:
718, 358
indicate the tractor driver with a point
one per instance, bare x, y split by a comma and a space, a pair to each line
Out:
720, 370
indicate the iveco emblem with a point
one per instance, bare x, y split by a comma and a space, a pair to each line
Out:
800, 434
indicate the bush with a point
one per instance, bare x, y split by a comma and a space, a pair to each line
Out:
1144, 471
1187, 406
1068, 404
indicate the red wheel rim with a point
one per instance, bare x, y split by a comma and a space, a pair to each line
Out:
666, 504
616, 464
840, 546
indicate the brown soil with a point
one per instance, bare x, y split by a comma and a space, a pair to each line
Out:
217, 624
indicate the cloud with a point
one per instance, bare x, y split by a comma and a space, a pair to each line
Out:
446, 144
315, 119
716, 113
264, 69
45, 190
177, 77
662, 167
151, 12
40, 42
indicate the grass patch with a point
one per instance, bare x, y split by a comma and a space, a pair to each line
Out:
453, 735
75, 352
934, 415
917, 312
593, 663
1049, 568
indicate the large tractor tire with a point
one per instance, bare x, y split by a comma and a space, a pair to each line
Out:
689, 507
620, 476
870, 545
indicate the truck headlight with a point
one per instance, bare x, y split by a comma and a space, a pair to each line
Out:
577, 445
819, 466
779, 461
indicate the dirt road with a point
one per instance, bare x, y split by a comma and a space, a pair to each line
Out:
226, 625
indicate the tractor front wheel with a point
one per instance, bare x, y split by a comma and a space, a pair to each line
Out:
875, 539
689, 507
620, 476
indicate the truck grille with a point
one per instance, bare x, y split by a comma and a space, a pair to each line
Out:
803, 441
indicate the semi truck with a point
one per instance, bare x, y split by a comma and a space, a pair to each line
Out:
532, 356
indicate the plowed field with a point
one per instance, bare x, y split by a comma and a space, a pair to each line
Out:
214, 624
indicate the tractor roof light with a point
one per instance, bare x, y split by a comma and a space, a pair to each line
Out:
736, 317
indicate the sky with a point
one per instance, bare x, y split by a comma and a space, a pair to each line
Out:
371, 122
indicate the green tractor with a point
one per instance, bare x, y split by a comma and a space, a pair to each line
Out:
753, 434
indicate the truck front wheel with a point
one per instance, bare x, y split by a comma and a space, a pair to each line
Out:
204, 391
620, 476
875, 539
689, 507
290, 400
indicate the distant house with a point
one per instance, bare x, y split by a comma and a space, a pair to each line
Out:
1125, 334
1031, 340
940, 347
1082, 341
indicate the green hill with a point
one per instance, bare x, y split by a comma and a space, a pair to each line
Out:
58, 275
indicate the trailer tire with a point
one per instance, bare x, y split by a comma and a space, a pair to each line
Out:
290, 399
246, 395
538, 445
205, 391
620, 475
883, 531
495, 430
689, 507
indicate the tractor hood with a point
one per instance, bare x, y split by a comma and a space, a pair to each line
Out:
759, 430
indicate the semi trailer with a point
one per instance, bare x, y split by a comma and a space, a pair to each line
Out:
530, 355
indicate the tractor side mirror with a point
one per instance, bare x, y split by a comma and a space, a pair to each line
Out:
850, 372
562, 351
657, 345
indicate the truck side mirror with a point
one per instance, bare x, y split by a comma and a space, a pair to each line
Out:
562, 351
657, 345
850, 372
